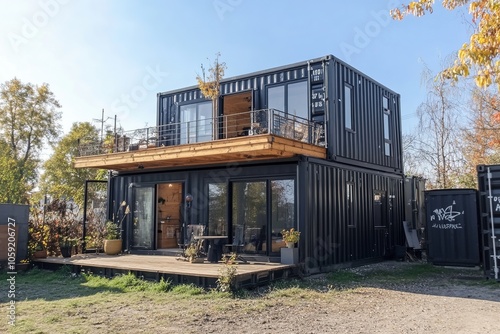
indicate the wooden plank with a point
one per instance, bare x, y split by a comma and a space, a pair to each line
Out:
160, 263
219, 151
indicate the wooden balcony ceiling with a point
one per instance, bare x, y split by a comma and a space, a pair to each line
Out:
240, 149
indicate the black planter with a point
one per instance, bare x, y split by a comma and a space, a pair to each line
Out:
66, 251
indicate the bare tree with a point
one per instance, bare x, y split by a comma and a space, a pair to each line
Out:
438, 130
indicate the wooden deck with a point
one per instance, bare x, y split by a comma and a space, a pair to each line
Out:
155, 267
239, 149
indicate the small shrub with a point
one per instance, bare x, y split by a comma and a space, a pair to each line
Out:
227, 275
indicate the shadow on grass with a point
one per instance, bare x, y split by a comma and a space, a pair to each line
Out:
418, 277
62, 284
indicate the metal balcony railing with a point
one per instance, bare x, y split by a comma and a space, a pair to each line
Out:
257, 122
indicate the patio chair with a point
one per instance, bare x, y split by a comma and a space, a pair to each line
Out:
238, 243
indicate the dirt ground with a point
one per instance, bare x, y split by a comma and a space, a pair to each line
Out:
452, 303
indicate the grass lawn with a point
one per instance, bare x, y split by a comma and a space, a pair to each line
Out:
59, 302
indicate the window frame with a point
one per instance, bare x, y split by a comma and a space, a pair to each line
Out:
386, 123
351, 127
286, 97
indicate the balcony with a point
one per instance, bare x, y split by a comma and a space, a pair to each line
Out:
255, 135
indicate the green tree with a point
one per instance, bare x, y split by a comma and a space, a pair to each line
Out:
60, 179
28, 121
482, 52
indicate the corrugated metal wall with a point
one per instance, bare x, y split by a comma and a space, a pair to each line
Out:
336, 235
365, 142
452, 227
489, 204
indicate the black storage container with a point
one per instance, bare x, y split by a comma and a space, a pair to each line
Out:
452, 227
489, 204
13, 225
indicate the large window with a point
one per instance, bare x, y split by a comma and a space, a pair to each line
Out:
348, 119
250, 215
217, 209
282, 209
196, 122
258, 211
290, 98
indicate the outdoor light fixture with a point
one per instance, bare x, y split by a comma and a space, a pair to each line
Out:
188, 199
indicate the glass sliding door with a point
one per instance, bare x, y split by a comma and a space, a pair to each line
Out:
249, 215
217, 209
196, 122
282, 211
143, 219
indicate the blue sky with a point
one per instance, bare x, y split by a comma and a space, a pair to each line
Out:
118, 54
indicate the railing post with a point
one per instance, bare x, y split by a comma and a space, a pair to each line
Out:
269, 123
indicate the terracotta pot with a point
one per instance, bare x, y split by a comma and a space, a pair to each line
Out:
113, 247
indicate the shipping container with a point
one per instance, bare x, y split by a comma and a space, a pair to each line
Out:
13, 232
314, 145
452, 227
362, 117
346, 215
489, 204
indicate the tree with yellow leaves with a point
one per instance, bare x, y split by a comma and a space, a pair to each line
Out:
482, 53
209, 84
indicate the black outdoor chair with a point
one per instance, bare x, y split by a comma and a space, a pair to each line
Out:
238, 243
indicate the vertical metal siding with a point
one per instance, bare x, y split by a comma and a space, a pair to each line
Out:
329, 240
489, 245
452, 229
366, 142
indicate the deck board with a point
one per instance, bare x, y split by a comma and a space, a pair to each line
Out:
161, 264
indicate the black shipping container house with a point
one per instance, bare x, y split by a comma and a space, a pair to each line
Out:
314, 145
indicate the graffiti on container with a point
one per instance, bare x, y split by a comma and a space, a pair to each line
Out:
496, 203
444, 218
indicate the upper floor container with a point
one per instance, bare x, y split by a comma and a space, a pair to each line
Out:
360, 118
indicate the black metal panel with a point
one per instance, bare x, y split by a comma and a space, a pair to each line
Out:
452, 227
339, 225
489, 204
15, 216
364, 143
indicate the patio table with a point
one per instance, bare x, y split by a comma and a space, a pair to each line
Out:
214, 253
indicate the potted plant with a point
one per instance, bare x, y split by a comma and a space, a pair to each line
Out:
291, 237
194, 252
112, 235
112, 241
66, 245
